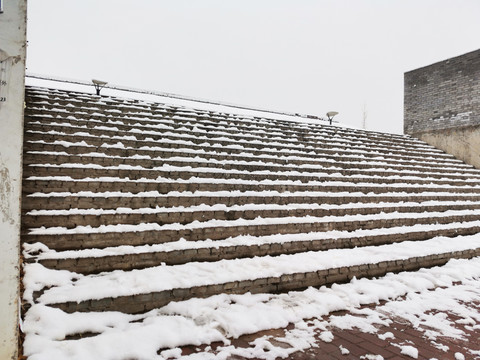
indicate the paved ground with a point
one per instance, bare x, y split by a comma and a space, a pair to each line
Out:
397, 340
361, 344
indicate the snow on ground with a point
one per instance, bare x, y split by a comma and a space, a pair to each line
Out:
417, 297
409, 351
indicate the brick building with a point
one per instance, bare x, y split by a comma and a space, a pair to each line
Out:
442, 106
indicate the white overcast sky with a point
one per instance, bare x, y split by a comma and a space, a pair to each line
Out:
299, 55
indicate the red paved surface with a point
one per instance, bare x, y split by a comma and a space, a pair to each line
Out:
361, 345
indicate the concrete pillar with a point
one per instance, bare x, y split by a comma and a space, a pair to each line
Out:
12, 93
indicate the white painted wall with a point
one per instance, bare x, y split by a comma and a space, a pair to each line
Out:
12, 89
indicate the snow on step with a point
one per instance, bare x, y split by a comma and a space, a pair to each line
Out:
197, 180
359, 133
223, 135
218, 150
247, 207
42, 252
276, 198
235, 193
157, 153
256, 171
120, 228
354, 138
163, 138
257, 161
141, 336
72, 287
279, 153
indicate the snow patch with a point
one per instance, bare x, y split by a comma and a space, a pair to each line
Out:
409, 351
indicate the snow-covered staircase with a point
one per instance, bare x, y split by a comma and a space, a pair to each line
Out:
128, 205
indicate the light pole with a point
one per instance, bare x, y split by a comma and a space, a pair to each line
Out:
331, 115
99, 85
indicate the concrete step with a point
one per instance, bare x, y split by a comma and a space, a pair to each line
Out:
153, 122
223, 139
132, 302
44, 134
112, 200
241, 172
37, 149
245, 163
112, 162
50, 184
214, 121
40, 123
127, 148
61, 239
144, 258
186, 215
186, 116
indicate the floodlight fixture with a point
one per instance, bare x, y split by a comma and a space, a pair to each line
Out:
99, 85
331, 115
